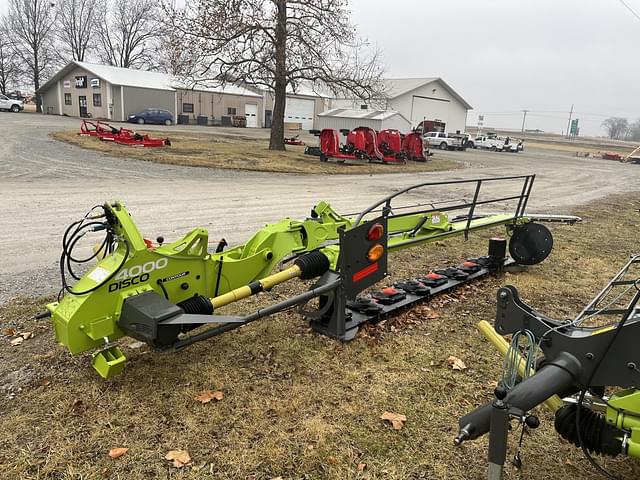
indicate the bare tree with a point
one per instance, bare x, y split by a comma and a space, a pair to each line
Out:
127, 31
8, 63
77, 22
31, 27
616, 127
278, 45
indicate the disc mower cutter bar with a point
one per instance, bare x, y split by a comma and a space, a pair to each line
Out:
184, 285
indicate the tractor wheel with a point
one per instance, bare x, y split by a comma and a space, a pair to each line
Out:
141, 121
443, 146
530, 243
15, 108
167, 123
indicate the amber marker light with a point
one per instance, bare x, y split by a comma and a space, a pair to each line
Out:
375, 252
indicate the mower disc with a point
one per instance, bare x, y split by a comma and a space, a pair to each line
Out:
530, 243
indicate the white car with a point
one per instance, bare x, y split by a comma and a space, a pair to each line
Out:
7, 103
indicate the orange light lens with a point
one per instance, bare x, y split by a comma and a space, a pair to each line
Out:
375, 232
375, 253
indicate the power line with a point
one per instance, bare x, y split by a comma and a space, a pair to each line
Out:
633, 12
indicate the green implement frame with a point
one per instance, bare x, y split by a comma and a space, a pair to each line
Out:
87, 316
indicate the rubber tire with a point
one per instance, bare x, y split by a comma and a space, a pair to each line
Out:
15, 108
444, 146
323, 157
167, 123
141, 121
494, 149
470, 145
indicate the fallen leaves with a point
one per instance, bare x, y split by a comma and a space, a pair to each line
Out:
21, 336
396, 419
180, 458
117, 452
361, 467
456, 363
208, 395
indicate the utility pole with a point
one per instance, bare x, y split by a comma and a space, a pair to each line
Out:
569, 122
524, 117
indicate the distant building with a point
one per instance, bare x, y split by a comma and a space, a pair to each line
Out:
419, 99
83, 89
341, 118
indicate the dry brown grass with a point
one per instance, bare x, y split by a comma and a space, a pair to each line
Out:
298, 405
595, 150
238, 153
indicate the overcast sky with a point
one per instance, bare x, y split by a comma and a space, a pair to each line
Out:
508, 55
503, 56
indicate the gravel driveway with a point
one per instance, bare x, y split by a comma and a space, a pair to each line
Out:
45, 185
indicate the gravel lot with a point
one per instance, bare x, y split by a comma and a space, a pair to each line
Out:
46, 185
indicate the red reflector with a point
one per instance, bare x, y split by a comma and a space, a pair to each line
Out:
375, 232
434, 276
365, 272
389, 291
470, 264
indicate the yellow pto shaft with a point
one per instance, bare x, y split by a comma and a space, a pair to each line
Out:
256, 287
554, 402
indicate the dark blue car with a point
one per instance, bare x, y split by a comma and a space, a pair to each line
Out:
152, 115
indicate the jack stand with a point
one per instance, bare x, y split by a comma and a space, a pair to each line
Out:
498, 434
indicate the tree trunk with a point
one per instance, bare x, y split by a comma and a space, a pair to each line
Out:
276, 141
36, 83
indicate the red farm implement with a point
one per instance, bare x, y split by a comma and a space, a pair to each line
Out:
413, 147
123, 136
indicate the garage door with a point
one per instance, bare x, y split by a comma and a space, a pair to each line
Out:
251, 112
299, 110
431, 109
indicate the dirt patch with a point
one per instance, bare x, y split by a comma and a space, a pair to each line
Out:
298, 405
238, 153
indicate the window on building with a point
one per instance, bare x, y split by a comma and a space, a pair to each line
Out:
187, 107
97, 100
231, 110
364, 106
67, 99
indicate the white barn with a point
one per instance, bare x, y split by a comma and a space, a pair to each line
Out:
420, 99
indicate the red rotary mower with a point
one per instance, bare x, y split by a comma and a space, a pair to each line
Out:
390, 145
361, 144
413, 147
293, 140
123, 136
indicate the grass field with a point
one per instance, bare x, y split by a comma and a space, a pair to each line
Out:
297, 405
237, 153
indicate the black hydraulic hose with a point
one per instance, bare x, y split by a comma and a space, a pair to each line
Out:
554, 377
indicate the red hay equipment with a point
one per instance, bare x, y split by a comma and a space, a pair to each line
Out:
413, 147
122, 136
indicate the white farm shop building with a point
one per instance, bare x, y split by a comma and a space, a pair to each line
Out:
419, 99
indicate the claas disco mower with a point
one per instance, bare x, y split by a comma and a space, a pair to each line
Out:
592, 361
172, 294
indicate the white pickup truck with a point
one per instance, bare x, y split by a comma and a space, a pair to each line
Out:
443, 141
7, 103
494, 144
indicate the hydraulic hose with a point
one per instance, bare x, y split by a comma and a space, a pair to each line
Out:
552, 378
